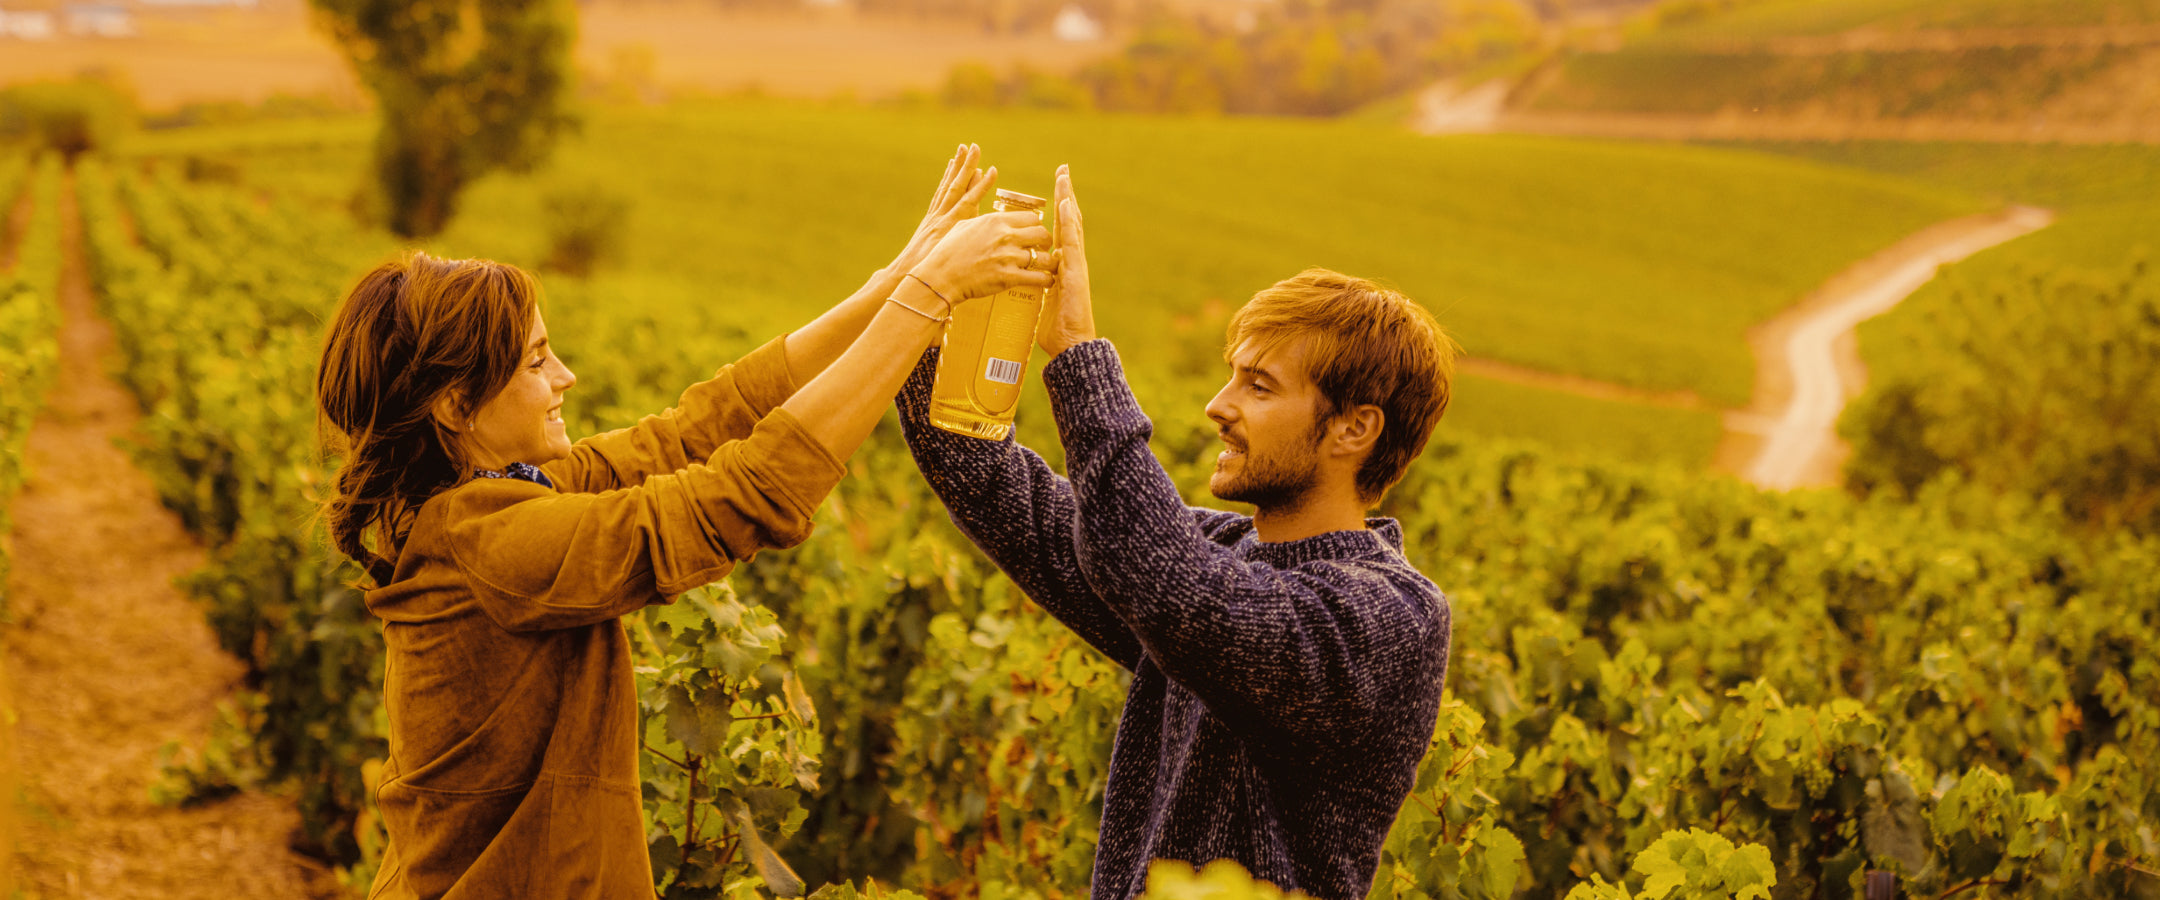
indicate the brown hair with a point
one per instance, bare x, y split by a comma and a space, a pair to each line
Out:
1365, 344
410, 333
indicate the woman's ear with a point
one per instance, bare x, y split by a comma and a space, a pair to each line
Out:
449, 414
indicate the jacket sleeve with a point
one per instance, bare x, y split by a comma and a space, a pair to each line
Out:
1005, 499
539, 559
1313, 648
712, 412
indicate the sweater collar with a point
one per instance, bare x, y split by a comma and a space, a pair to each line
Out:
1381, 537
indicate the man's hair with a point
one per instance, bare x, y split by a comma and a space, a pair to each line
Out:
1364, 344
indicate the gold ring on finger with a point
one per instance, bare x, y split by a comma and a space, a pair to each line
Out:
1031, 258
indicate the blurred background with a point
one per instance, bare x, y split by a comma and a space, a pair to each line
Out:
1812, 352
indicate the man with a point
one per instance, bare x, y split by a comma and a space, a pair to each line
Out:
1287, 667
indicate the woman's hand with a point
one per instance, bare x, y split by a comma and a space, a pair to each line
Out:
959, 194
989, 253
821, 341
1069, 313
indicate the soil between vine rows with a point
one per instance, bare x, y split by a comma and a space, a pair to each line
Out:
106, 661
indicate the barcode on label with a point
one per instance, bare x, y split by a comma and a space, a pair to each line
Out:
1002, 371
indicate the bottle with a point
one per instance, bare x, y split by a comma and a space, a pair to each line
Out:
986, 351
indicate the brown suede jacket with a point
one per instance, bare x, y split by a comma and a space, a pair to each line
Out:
513, 769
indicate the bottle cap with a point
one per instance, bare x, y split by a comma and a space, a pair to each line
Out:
1014, 201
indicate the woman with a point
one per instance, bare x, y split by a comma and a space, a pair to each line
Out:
503, 555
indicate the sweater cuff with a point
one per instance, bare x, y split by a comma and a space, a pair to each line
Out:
763, 378
1088, 394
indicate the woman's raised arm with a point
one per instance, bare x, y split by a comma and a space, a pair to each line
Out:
959, 194
978, 257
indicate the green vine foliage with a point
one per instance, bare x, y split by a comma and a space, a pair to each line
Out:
2037, 382
730, 742
215, 304
29, 324
1218, 880
1691, 865
1656, 675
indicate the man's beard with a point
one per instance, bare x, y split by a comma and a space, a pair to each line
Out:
1277, 482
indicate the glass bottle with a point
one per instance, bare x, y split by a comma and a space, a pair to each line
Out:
986, 351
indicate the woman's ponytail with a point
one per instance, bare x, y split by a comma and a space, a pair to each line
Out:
408, 335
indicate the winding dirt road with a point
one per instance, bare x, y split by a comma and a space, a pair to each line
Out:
1807, 364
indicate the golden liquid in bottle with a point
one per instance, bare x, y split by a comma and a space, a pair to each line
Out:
986, 353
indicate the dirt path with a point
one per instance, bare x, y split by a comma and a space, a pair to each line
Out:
1807, 363
1497, 370
1447, 107
108, 662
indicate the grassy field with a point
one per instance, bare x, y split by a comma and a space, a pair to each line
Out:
1783, 18
2107, 200
1974, 83
1637, 264
2051, 67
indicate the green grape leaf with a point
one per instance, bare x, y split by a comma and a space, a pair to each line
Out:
1891, 827
1661, 872
1500, 859
798, 700
1748, 872
779, 878
699, 725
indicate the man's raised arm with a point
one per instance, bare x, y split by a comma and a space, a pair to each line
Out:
1006, 499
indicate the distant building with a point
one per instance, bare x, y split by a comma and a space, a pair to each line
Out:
106, 20
1073, 24
27, 26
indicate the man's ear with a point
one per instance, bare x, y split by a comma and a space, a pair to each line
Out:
1357, 429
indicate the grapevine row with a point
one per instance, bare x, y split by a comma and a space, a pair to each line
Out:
29, 324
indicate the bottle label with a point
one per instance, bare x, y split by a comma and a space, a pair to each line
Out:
1003, 371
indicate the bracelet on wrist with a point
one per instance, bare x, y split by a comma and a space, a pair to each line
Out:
947, 319
933, 292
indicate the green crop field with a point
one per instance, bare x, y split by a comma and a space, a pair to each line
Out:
1781, 18
1975, 83
1985, 61
1642, 265
2106, 199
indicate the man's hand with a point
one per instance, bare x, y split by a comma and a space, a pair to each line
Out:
1069, 313
959, 194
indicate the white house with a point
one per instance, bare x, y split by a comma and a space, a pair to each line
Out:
34, 25
106, 20
1074, 25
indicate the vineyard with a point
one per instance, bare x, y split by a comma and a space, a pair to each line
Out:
1640, 265
29, 317
1664, 685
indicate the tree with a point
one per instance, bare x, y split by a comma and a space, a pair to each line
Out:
2046, 385
69, 117
464, 86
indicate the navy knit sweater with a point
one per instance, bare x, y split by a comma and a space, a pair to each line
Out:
1282, 693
